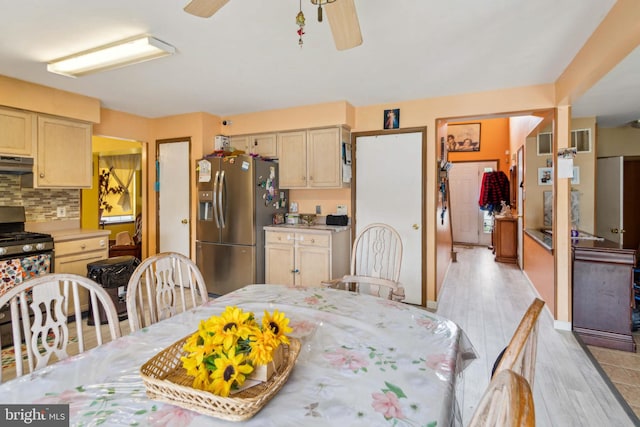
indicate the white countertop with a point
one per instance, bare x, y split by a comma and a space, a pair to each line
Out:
66, 230
302, 227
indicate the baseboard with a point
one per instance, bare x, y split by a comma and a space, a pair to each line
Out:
432, 305
562, 325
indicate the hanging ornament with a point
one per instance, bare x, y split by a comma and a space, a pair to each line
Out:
300, 23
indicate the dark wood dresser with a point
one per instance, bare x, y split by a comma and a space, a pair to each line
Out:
603, 293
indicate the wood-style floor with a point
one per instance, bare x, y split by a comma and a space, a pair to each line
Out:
487, 300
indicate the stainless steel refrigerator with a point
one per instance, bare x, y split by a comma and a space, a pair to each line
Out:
237, 197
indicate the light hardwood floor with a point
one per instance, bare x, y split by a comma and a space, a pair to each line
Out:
487, 300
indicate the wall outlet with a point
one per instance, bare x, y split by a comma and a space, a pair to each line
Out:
61, 212
318, 209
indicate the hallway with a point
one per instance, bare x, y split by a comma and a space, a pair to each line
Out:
487, 299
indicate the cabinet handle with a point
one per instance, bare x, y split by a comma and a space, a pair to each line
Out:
295, 271
313, 240
102, 243
41, 174
83, 246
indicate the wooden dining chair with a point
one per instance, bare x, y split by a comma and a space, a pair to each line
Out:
507, 402
41, 309
162, 286
520, 354
376, 258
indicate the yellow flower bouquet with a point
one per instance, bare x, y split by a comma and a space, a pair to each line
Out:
228, 348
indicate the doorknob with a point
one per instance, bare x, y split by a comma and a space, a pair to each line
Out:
614, 230
184, 221
415, 226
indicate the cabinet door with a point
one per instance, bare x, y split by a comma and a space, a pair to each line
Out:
324, 167
264, 145
240, 142
17, 132
279, 264
292, 159
77, 264
64, 154
313, 266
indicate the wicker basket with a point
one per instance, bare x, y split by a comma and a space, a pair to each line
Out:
166, 380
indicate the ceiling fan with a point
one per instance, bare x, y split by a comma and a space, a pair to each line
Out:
342, 16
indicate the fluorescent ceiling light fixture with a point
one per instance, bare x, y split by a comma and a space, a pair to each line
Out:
114, 55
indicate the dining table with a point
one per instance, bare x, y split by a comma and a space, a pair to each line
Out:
364, 361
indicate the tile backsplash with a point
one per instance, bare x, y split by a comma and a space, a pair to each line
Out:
40, 204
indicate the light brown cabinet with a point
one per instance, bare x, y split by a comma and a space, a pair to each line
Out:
63, 156
72, 256
305, 258
264, 145
17, 132
505, 239
312, 158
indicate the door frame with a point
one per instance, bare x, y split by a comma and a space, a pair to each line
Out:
190, 190
423, 192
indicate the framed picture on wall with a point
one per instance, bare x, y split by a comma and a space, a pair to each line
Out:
464, 137
545, 176
392, 119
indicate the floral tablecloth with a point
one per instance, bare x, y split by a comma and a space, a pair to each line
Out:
365, 361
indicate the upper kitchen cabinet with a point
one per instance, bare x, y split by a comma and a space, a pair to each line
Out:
17, 132
312, 158
63, 157
263, 145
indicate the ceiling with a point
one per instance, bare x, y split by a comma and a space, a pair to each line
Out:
246, 57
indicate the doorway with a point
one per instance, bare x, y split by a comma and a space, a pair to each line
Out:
388, 187
173, 196
470, 224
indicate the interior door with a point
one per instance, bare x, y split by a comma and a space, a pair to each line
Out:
389, 181
609, 188
467, 220
173, 197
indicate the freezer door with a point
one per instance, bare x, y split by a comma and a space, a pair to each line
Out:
207, 223
237, 187
226, 268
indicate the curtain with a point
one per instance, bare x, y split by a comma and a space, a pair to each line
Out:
127, 164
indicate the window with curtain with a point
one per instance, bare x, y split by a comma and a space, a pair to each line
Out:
120, 189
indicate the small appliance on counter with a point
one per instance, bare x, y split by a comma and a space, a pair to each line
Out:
293, 218
337, 220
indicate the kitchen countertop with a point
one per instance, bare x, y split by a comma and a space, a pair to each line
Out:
62, 231
303, 227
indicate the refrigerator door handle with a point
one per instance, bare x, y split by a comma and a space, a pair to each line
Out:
221, 199
215, 202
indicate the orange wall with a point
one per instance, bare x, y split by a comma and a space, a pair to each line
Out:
494, 144
538, 266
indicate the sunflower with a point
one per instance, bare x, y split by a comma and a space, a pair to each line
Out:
263, 345
231, 325
278, 324
230, 371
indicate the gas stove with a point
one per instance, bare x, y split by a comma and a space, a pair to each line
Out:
14, 241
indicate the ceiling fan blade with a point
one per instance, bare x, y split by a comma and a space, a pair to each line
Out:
204, 8
344, 24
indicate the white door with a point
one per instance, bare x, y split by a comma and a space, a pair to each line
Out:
389, 190
469, 224
173, 197
609, 188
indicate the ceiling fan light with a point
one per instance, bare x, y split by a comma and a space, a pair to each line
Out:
114, 55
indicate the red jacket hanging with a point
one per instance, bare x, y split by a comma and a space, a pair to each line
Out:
494, 189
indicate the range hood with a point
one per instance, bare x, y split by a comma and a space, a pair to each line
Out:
16, 165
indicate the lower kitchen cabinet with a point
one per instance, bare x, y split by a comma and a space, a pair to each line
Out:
305, 256
73, 253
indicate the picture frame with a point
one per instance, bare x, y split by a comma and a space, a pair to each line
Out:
576, 175
463, 137
391, 119
545, 176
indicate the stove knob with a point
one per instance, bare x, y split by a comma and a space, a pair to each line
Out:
27, 248
39, 246
3, 251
